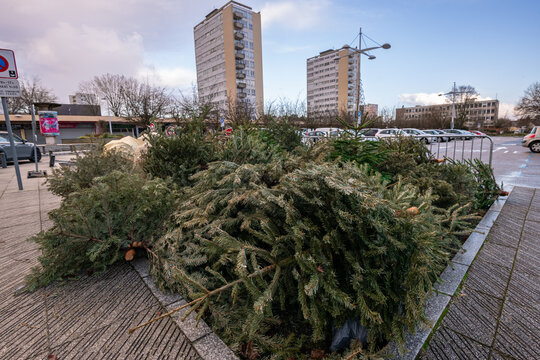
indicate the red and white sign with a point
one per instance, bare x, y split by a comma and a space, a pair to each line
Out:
8, 67
170, 131
48, 121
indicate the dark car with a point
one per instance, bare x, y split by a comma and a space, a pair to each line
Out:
25, 150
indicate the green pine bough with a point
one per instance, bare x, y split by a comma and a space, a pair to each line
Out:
273, 243
268, 261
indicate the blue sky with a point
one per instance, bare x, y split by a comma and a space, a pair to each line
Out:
491, 45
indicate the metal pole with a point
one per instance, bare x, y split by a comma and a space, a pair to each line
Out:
109, 112
358, 55
34, 139
12, 143
453, 106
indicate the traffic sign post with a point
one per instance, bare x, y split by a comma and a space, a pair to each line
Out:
9, 87
8, 66
12, 143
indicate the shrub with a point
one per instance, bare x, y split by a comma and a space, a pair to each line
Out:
294, 252
247, 147
357, 151
180, 156
283, 134
95, 226
85, 168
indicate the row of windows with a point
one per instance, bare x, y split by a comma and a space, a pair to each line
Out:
448, 107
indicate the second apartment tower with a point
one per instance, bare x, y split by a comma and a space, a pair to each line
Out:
331, 82
228, 55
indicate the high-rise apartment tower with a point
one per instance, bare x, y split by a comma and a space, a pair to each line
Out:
228, 54
331, 82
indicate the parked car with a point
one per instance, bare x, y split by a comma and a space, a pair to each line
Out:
384, 133
25, 150
476, 132
313, 136
419, 134
438, 132
467, 135
532, 140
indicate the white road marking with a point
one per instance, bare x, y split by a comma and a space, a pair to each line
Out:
506, 151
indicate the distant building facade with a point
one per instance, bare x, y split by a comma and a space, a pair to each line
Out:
83, 98
228, 55
331, 82
480, 113
370, 110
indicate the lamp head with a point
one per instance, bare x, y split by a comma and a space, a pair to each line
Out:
386, 46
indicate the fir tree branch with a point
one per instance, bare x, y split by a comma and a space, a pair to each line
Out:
76, 236
204, 297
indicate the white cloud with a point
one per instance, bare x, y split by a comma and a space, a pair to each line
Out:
507, 111
300, 14
65, 55
421, 99
177, 77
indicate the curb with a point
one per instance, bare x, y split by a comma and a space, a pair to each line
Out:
207, 344
451, 278
210, 347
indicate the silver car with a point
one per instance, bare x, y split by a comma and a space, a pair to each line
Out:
532, 141
25, 150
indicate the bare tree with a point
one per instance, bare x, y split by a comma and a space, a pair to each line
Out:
240, 113
31, 92
529, 105
463, 97
144, 102
89, 94
107, 87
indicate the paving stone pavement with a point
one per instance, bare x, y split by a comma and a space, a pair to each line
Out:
496, 315
83, 319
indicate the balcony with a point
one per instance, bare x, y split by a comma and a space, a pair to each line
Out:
241, 85
239, 56
238, 25
240, 75
237, 15
240, 66
238, 35
242, 95
238, 46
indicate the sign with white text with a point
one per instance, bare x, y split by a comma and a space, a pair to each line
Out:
8, 67
9, 88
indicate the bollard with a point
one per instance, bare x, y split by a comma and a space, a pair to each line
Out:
51, 159
3, 159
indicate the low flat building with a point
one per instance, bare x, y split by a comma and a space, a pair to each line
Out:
74, 121
479, 113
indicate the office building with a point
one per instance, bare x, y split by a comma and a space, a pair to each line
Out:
480, 113
228, 54
331, 82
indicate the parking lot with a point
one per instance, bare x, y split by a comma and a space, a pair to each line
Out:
512, 163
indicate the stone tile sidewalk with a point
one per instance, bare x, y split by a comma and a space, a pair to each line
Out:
496, 314
83, 319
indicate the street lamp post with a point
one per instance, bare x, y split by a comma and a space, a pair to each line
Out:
454, 92
359, 52
109, 114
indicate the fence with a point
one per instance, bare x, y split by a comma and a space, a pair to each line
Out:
449, 146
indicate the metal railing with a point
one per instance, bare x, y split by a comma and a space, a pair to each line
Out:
447, 146
467, 147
